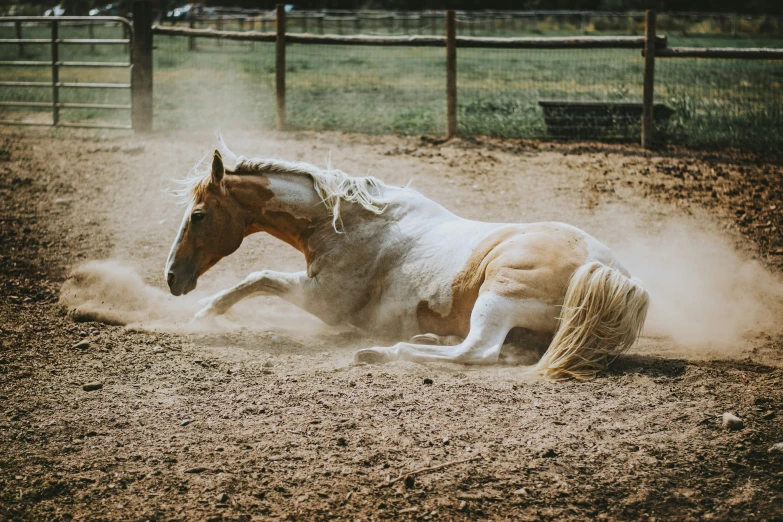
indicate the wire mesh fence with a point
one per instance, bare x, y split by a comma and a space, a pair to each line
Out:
376, 90
522, 93
561, 94
198, 84
722, 102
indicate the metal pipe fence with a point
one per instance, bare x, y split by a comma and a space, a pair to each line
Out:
34, 77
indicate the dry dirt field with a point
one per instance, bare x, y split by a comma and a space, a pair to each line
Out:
265, 415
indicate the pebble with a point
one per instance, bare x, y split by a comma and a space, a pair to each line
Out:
157, 349
92, 386
521, 492
427, 381
732, 422
342, 442
81, 345
776, 448
410, 481
185, 422
222, 498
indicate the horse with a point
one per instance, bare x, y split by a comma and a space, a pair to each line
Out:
396, 264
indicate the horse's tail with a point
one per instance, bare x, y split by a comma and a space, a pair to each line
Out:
602, 315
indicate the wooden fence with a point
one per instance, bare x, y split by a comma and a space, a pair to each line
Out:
651, 45
472, 22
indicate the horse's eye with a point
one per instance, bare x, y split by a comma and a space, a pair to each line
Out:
197, 217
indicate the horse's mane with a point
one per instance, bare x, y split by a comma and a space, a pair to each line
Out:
333, 186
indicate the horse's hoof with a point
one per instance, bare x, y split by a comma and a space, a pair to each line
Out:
370, 356
428, 339
205, 314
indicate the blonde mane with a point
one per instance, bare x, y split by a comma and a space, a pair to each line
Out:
333, 186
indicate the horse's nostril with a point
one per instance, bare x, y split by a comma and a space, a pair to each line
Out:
170, 279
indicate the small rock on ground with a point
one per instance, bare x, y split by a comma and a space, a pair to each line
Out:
92, 386
81, 345
776, 448
732, 422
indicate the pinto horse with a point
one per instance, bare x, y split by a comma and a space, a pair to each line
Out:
394, 263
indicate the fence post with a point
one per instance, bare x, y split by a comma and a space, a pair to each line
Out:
649, 79
220, 28
280, 66
18, 29
91, 35
55, 73
451, 74
191, 40
141, 73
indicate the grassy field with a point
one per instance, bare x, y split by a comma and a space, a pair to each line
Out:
375, 90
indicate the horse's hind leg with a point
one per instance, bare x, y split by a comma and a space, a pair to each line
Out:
490, 321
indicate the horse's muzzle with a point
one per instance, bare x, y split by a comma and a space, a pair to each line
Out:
179, 285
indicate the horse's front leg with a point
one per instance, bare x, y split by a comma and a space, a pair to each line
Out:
296, 288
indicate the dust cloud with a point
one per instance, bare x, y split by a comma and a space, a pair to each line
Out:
113, 292
704, 294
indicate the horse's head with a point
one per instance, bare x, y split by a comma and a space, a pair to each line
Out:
212, 228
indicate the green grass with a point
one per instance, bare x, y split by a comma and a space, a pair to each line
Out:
401, 90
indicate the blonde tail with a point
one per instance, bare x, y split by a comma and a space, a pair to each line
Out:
603, 314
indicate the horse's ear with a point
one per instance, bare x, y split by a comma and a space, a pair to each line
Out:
217, 168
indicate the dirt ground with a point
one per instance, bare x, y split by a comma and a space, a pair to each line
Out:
267, 417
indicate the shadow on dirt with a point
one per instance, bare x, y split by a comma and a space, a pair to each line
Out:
663, 367
648, 365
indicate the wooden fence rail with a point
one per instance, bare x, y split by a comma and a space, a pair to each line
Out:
463, 42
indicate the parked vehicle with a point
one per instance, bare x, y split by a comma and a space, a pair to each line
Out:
57, 10
183, 12
107, 10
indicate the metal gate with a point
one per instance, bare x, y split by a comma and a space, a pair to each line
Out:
55, 42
